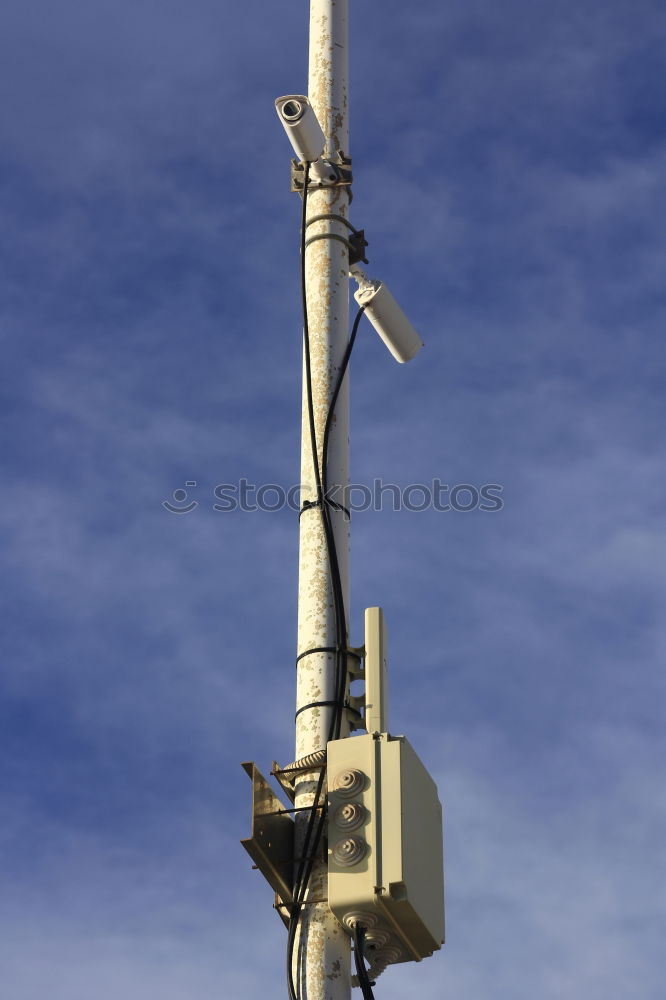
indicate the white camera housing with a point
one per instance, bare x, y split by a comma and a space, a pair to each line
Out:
387, 318
302, 126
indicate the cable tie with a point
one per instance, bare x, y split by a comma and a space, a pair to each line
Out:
355, 245
309, 504
305, 902
329, 649
337, 218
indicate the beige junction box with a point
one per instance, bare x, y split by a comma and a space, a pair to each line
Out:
385, 856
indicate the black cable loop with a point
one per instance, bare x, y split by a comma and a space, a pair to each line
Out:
337, 218
330, 236
327, 704
329, 649
315, 826
336, 391
359, 961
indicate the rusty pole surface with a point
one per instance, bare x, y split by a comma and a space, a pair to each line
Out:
323, 972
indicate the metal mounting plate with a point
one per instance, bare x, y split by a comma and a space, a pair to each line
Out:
271, 845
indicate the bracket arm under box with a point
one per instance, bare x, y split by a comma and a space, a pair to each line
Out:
271, 845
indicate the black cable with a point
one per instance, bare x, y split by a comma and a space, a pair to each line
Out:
313, 829
361, 971
326, 704
327, 649
338, 597
336, 392
330, 236
341, 671
317, 819
299, 880
316, 823
329, 215
333, 558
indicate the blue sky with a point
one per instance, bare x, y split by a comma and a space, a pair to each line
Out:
510, 164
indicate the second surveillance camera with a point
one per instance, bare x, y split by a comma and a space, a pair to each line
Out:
388, 319
302, 127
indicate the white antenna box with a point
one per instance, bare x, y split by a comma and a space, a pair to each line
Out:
385, 854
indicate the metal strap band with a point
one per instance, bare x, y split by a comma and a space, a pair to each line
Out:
327, 649
337, 218
329, 704
304, 902
329, 236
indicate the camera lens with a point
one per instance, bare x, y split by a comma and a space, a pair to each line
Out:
292, 110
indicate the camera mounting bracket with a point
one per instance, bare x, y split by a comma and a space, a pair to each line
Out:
324, 173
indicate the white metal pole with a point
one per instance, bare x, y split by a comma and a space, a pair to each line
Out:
323, 970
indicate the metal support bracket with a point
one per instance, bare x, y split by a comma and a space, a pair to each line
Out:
340, 174
271, 845
355, 663
354, 711
356, 702
357, 245
282, 909
285, 781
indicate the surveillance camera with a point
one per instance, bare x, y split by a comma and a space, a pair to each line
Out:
301, 125
387, 318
